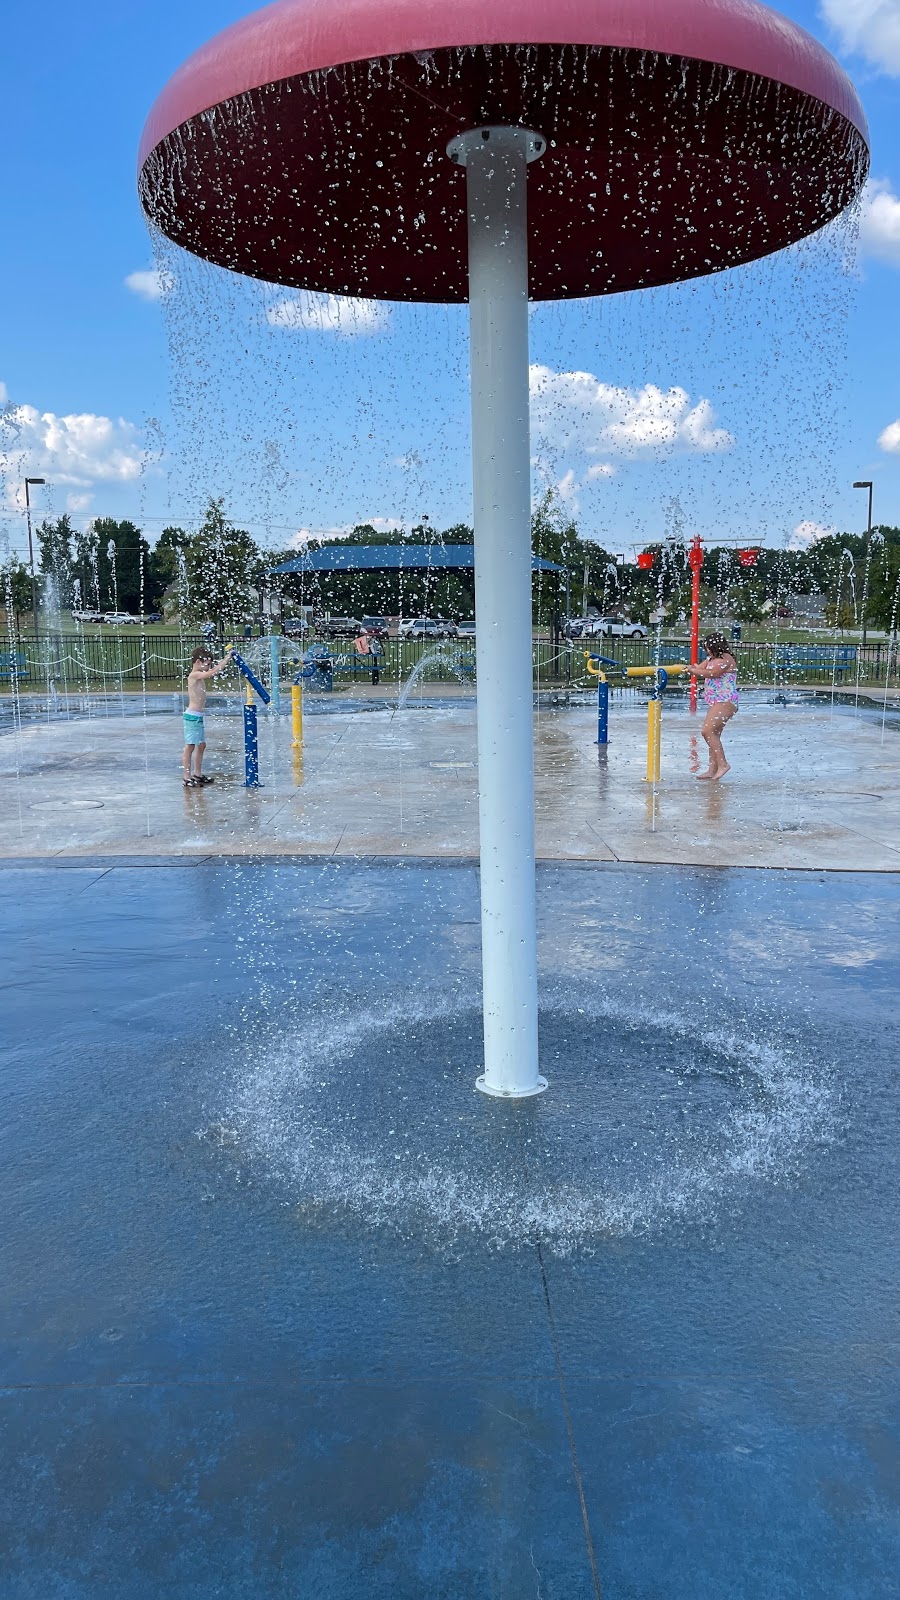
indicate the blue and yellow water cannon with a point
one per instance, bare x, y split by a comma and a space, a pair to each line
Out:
659, 677
251, 735
596, 666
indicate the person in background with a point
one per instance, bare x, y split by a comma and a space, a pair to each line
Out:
203, 667
720, 691
363, 645
376, 649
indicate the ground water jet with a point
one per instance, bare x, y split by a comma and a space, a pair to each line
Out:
305, 147
440, 655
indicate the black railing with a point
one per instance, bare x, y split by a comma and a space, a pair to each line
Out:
133, 660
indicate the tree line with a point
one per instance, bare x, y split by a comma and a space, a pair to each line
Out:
214, 573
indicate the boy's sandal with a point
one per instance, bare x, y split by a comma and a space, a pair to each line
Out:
202, 781
188, 783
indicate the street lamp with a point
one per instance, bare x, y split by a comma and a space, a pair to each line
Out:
866, 485
29, 483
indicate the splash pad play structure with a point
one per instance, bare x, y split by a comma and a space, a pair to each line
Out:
499, 154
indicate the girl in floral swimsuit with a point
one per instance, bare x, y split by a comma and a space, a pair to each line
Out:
720, 691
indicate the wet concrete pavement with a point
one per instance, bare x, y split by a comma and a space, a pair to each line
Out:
289, 1310
813, 784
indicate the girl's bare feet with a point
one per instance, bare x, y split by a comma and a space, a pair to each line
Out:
702, 776
721, 771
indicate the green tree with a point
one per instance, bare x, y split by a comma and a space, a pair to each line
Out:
166, 560
55, 541
86, 562
124, 563
15, 588
555, 537
883, 607
223, 567
746, 601
111, 561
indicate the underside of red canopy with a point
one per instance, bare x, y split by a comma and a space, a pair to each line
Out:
306, 144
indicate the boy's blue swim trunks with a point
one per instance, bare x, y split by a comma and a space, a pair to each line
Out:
193, 728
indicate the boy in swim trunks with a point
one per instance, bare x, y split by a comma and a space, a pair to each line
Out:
202, 668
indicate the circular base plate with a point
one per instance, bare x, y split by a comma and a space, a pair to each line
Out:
509, 1094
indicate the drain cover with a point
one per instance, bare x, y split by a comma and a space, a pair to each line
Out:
67, 805
452, 766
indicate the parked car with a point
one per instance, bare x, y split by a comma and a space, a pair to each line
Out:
606, 628
427, 628
153, 616
119, 619
585, 627
294, 627
376, 627
339, 627
466, 630
87, 616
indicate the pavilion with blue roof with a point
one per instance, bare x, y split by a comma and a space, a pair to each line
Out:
392, 558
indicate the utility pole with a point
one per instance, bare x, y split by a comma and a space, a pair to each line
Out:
865, 598
29, 482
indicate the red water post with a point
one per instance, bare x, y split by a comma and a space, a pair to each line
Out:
695, 561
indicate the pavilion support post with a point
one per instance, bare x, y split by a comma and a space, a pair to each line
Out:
496, 161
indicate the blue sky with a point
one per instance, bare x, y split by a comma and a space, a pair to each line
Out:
770, 394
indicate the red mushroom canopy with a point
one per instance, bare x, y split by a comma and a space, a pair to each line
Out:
306, 144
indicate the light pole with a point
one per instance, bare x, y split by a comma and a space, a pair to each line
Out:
29, 482
865, 600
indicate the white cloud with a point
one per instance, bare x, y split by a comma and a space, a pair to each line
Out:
151, 284
567, 489
889, 438
868, 28
76, 450
328, 313
805, 535
602, 469
575, 411
78, 502
300, 539
879, 221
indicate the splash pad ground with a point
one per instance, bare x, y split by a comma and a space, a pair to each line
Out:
814, 782
290, 1310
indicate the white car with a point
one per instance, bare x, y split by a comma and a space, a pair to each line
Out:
118, 619
427, 628
87, 616
619, 628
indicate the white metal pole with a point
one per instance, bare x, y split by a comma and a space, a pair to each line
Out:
496, 162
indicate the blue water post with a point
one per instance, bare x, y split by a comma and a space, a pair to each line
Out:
602, 712
251, 749
275, 657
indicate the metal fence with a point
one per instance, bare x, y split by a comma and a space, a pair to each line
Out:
135, 660
768, 664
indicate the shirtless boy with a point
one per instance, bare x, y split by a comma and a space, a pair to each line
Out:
202, 668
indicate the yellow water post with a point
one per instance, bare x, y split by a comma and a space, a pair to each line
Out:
248, 699
297, 715
654, 739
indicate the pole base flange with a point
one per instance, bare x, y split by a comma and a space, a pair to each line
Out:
509, 1094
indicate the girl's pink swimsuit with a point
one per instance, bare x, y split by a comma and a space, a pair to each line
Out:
719, 691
